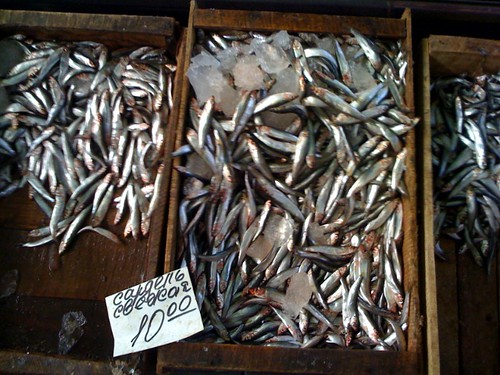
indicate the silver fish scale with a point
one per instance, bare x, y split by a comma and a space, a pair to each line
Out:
465, 120
86, 129
336, 214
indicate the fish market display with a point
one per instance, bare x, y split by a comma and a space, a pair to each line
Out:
85, 130
291, 216
465, 124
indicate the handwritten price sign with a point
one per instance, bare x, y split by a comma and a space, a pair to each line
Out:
154, 313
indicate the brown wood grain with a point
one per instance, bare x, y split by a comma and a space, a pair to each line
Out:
93, 267
31, 324
280, 360
456, 55
448, 312
410, 226
181, 97
272, 21
426, 211
468, 300
174, 195
67, 26
478, 306
17, 211
22, 363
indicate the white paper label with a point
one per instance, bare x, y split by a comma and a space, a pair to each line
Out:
154, 313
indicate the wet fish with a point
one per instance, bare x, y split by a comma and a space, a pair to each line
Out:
318, 195
84, 123
466, 140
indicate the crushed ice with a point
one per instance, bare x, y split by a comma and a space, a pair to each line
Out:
298, 294
71, 330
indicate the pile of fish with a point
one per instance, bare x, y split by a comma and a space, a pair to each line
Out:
465, 120
85, 129
292, 234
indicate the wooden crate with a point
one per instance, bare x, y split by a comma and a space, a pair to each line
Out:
210, 357
462, 300
93, 267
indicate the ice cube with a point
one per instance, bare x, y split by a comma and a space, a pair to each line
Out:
282, 39
259, 248
272, 59
227, 58
207, 81
361, 76
328, 44
287, 80
247, 74
71, 330
204, 59
351, 52
245, 48
277, 230
228, 99
297, 295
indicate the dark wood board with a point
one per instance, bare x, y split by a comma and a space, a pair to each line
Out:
448, 311
93, 267
215, 357
13, 363
425, 210
472, 56
29, 338
256, 20
31, 324
112, 30
468, 301
279, 360
478, 324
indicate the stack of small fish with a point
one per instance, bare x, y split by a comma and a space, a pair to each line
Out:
465, 120
88, 129
325, 194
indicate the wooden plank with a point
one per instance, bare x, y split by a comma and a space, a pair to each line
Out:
456, 55
171, 236
29, 336
272, 21
426, 234
163, 26
280, 360
478, 310
92, 269
21, 363
410, 245
114, 31
448, 313
19, 212
468, 305
31, 324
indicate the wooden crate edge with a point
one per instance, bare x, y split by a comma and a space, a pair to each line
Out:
175, 190
88, 21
